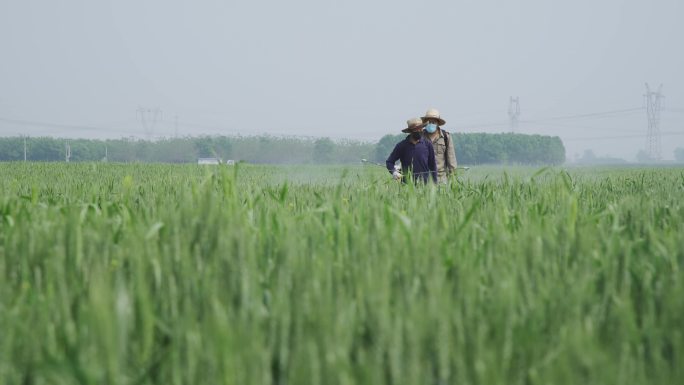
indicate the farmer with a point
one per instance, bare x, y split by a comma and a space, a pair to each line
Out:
415, 153
445, 155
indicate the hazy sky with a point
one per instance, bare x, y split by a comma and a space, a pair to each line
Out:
344, 69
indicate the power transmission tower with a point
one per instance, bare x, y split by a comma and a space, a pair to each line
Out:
24, 149
67, 151
653, 104
149, 118
514, 112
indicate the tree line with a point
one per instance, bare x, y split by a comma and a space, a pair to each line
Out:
505, 148
470, 149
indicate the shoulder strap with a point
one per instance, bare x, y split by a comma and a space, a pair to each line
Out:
446, 148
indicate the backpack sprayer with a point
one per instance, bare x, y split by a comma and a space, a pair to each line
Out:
398, 167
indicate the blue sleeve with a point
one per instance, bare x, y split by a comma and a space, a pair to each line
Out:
432, 163
394, 156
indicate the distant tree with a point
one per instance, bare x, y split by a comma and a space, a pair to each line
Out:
323, 150
121, 150
554, 150
83, 150
143, 151
349, 151
204, 146
224, 147
479, 148
492, 150
679, 154
385, 146
643, 157
12, 149
46, 149
588, 157
466, 147
470, 149
174, 151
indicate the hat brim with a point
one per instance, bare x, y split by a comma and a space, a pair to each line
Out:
415, 128
440, 120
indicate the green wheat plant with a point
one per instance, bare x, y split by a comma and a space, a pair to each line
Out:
167, 274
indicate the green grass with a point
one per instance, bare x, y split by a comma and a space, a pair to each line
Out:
156, 274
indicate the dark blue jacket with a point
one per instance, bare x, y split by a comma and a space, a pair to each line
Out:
418, 158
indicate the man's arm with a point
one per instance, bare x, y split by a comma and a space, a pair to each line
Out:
432, 163
394, 156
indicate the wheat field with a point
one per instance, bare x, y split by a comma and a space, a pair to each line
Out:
167, 274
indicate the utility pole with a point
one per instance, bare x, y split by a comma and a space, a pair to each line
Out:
67, 151
24, 149
653, 140
149, 118
513, 113
106, 158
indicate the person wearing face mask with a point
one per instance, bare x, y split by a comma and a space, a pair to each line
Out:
445, 155
416, 154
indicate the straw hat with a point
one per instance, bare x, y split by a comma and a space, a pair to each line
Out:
414, 124
433, 114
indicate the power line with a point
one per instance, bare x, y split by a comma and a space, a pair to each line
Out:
54, 125
566, 126
32, 123
604, 114
481, 125
177, 123
155, 117
671, 133
585, 116
224, 129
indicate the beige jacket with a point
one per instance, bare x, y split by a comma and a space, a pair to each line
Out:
445, 156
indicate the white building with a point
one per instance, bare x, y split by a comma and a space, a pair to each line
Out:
208, 161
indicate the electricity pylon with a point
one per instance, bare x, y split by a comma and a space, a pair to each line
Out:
149, 118
514, 112
653, 140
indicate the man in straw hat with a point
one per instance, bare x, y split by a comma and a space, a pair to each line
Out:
415, 153
445, 155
